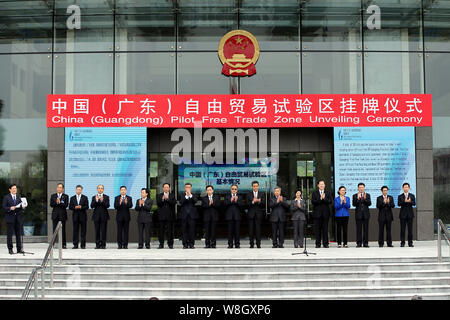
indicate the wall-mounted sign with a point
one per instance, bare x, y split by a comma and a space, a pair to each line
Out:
240, 111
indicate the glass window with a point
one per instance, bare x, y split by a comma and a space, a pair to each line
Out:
201, 24
393, 72
95, 34
91, 7
437, 66
145, 32
332, 72
27, 169
145, 73
331, 25
77, 73
400, 26
24, 84
25, 8
274, 23
276, 73
436, 25
144, 6
201, 73
25, 34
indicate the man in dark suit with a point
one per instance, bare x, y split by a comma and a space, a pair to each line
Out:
210, 205
144, 218
123, 203
100, 204
406, 201
385, 203
12, 206
79, 203
256, 204
321, 200
188, 216
279, 207
361, 201
166, 215
233, 205
59, 201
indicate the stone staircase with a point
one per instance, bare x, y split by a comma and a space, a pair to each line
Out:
235, 278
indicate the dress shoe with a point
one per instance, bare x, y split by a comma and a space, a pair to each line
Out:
402, 245
410, 245
75, 247
230, 247
20, 251
103, 247
366, 246
301, 246
170, 247
119, 247
185, 247
280, 246
213, 246
237, 246
98, 247
325, 246
10, 251
390, 245
208, 246
252, 246
191, 247
161, 246
295, 245
125, 247
258, 246
147, 247
358, 246
64, 246
83, 247
275, 246
317, 246
140, 247
381, 245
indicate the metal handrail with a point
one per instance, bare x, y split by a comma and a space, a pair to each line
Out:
442, 230
32, 280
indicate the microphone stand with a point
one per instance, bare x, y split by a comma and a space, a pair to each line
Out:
305, 252
21, 238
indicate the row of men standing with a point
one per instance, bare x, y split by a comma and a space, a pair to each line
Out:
321, 199
100, 202
234, 204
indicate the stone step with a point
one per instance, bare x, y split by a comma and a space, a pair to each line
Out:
154, 260
383, 296
195, 284
224, 293
286, 276
169, 268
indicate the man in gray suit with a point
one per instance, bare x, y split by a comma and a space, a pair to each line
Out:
298, 210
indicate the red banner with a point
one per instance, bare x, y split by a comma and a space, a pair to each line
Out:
231, 111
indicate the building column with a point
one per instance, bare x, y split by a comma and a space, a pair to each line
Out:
424, 175
55, 169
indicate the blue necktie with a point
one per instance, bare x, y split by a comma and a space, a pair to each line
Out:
14, 198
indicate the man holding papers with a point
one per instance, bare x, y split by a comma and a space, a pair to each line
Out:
12, 206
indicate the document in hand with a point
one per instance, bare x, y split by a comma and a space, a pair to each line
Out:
24, 203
